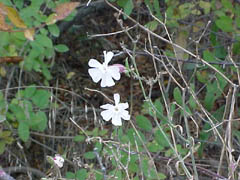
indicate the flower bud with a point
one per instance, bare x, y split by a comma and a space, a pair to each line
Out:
120, 67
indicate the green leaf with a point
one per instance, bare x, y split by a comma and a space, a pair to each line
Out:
225, 23
39, 121
61, 48
41, 98
160, 139
227, 4
7, 2
23, 131
206, 6
89, 155
156, 5
18, 112
143, 123
133, 138
127, 6
79, 138
211, 96
81, 174
70, 175
154, 147
208, 56
202, 76
152, 25
29, 91
46, 73
98, 176
177, 95
2, 146
133, 167
44, 41
37, 46
54, 30
162, 176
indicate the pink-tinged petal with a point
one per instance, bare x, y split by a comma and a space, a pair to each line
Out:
94, 63
123, 105
116, 120
95, 74
107, 56
107, 106
114, 72
116, 98
125, 115
106, 115
120, 67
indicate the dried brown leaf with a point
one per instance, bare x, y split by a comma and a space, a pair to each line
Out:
3, 9
29, 34
64, 9
3, 25
15, 18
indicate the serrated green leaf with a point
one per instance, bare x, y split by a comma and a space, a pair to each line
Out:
61, 48
23, 131
29, 91
39, 121
41, 98
144, 123
18, 112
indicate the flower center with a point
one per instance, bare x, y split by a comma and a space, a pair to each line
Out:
116, 109
104, 68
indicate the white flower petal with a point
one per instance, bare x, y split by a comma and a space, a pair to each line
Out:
58, 160
116, 98
116, 120
114, 71
96, 74
106, 115
107, 56
107, 106
107, 81
94, 63
123, 105
125, 115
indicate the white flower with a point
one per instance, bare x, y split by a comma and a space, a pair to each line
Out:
115, 112
58, 160
103, 71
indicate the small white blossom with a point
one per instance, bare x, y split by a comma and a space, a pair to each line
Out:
115, 112
104, 72
58, 160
